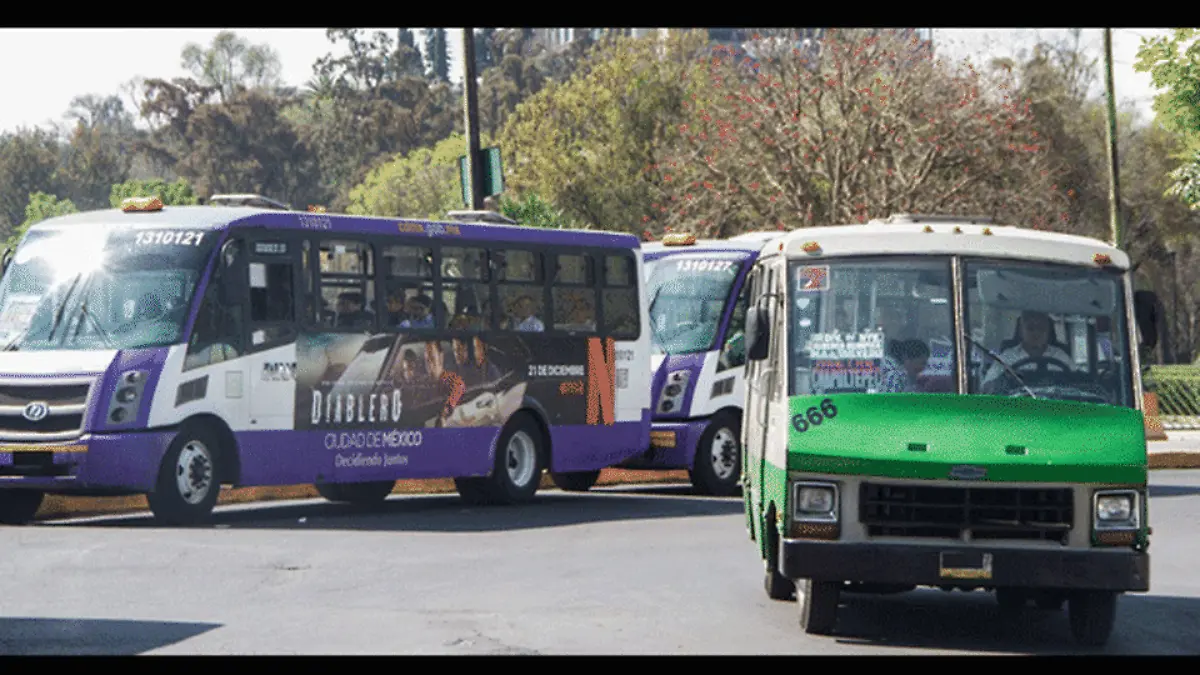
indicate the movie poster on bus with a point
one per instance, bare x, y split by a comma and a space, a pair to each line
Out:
400, 381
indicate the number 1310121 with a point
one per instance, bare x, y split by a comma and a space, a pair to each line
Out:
169, 237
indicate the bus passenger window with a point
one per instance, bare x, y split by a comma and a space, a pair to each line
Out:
347, 285
619, 298
469, 306
216, 335
573, 294
410, 307
521, 285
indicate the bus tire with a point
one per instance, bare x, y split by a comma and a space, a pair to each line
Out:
716, 467
19, 506
575, 481
361, 494
1092, 614
187, 488
520, 458
818, 603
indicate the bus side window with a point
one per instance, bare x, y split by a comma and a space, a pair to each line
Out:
619, 299
522, 290
573, 293
408, 285
733, 352
217, 333
272, 301
466, 298
347, 285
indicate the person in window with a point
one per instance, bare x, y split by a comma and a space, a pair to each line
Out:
418, 310
395, 307
904, 365
523, 318
1035, 331
350, 309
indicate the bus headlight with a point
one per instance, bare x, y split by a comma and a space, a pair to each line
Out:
124, 404
1117, 510
671, 398
815, 511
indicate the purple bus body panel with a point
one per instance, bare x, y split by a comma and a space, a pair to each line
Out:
682, 456
150, 360
693, 363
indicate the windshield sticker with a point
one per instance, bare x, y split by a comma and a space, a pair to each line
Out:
841, 346
170, 237
813, 279
19, 312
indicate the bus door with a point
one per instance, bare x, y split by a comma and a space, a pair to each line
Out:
753, 427
275, 272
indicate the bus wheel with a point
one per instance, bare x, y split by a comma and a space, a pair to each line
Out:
818, 601
187, 488
18, 507
1092, 614
575, 481
517, 472
717, 466
372, 492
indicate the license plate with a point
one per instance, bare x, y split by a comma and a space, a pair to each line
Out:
965, 565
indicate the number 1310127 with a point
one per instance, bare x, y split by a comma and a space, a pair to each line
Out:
169, 237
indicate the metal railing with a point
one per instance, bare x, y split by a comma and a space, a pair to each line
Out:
1178, 392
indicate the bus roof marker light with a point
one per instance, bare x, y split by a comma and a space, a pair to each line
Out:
811, 247
987, 231
957, 230
678, 239
927, 229
1102, 259
132, 204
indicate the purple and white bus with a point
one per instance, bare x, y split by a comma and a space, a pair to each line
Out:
168, 351
694, 294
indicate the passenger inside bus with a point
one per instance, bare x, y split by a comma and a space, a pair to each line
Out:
418, 310
1036, 340
350, 309
903, 365
523, 316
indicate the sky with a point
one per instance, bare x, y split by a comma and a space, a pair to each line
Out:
116, 56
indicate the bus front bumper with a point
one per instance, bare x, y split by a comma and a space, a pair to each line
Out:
120, 462
672, 446
909, 565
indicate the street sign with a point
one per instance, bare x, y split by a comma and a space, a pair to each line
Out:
493, 174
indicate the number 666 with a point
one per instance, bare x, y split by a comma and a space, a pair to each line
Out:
814, 416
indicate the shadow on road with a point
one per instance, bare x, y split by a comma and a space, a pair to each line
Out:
1173, 490
973, 622
666, 490
447, 513
103, 637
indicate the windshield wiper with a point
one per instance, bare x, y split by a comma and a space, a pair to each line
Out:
86, 312
999, 360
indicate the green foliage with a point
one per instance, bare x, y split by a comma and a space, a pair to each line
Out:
423, 183
1174, 66
41, 206
178, 193
533, 211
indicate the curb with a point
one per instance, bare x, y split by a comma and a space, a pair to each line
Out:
1174, 460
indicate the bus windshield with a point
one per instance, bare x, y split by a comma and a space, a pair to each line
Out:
887, 326
101, 288
688, 296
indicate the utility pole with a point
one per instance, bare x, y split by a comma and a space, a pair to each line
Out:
471, 109
1114, 193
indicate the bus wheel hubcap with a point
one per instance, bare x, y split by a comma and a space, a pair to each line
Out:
724, 453
193, 472
520, 458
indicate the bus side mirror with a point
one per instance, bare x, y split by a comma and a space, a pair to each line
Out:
1146, 312
758, 333
4, 262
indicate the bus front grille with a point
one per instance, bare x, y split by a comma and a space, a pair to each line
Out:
966, 513
65, 400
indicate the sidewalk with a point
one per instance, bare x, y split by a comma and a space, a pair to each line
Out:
1181, 450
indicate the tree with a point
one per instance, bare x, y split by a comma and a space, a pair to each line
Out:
437, 54
231, 63
533, 211
29, 160
40, 207
487, 51
875, 127
423, 183
178, 193
581, 144
100, 149
1174, 65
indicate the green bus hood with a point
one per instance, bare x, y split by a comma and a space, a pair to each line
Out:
989, 438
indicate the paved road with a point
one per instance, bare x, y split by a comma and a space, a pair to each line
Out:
638, 571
